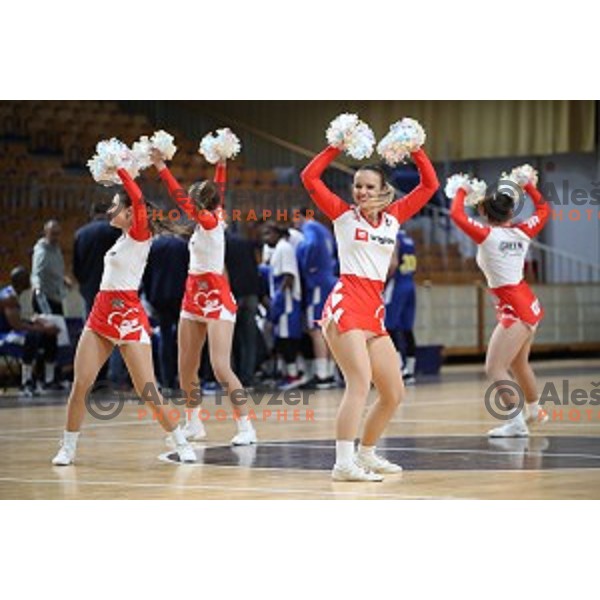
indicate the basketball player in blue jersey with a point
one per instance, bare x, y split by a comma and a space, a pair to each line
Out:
316, 261
400, 302
285, 311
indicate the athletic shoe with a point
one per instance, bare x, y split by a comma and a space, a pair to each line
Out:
325, 383
53, 386
65, 456
29, 390
515, 428
353, 472
409, 378
244, 437
377, 464
186, 453
319, 383
194, 431
291, 383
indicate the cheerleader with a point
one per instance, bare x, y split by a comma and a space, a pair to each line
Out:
353, 316
118, 318
209, 308
501, 251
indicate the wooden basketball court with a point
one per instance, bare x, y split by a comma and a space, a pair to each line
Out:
438, 435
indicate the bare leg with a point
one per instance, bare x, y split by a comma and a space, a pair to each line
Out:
388, 381
505, 345
191, 338
92, 352
350, 352
138, 358
220, 336
523, 373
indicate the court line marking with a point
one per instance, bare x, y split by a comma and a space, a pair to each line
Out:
383, 449
226, 488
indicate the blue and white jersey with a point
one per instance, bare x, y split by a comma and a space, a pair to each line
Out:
316, 256
407, 260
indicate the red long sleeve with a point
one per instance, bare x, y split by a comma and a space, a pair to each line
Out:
330, 204
139, 230
220, 180
475, 230
203, 217
536, 222
404, 208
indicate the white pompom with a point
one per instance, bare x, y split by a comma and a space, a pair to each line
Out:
349, 133
224, 145
163, 142
475, 188
112, 155
141, 150
404, 137
523, 175
477, 191
455, 182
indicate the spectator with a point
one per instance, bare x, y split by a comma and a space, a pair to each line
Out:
48, 272
316, 261
285, 311
164, 285
92, 242
49, 286
34, 335
240, 261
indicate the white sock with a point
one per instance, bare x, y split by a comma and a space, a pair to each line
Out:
410, 365
292, 370
344, 452
366, 450
178, 436
26, 373
70, 438
321, 367
533, 409
192, 416
49, 372
244, 423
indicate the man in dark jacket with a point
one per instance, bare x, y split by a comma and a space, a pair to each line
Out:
92, 241
164, 285
242, 268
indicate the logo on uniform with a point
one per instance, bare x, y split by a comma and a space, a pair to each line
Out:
208, 302
117, 303
360, 235
127, 323
513, 247
203, 285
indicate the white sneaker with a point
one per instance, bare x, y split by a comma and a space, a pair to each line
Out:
538, 417
194, 431
377, 464
244, 437
186, 453
353, 472
65, 456
514, 428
